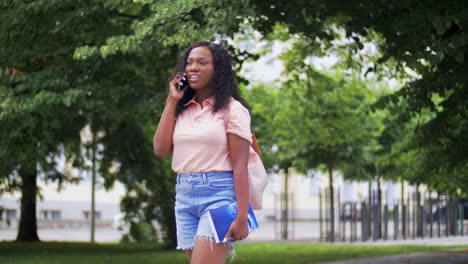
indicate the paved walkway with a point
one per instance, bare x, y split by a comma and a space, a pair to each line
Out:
78, 234
439, 241
447, 257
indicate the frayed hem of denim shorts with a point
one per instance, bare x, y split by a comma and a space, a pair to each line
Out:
232, 250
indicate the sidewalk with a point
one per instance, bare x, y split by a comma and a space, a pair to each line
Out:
459, 256
456, 256
75, 235
436, 241
439, 241
263, 235
447, 257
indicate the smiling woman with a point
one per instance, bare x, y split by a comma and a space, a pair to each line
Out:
200, 69
206, 128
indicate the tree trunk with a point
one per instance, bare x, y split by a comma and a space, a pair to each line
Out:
369, 208
332, 203
284, 233
402, 193
419, 228
27, 231
369, 193
379, 208
93, 186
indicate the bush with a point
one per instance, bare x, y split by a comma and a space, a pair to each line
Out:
142, 232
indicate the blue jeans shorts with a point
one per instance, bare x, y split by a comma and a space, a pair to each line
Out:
196, 193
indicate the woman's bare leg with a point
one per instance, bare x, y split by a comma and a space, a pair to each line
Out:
206, 251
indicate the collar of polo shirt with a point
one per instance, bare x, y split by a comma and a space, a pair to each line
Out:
207, 101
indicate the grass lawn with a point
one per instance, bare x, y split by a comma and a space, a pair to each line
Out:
71, 253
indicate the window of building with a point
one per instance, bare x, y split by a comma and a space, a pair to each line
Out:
87, 215
50, 214
11, 214
7, 214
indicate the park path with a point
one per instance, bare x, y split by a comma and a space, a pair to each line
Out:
442, 257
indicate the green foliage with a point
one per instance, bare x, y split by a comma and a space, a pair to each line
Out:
270, 126
330, 118
68, 64
142, 232
48, 95
427, 37
167, 24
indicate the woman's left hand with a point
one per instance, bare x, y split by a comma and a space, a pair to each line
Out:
238, 230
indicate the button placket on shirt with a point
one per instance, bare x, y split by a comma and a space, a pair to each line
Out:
200, 112
199, 115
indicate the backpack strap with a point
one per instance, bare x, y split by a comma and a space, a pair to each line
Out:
254, 139
255, 146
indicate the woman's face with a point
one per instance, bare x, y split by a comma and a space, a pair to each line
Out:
200, 68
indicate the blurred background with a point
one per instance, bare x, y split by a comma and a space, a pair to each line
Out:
359, 107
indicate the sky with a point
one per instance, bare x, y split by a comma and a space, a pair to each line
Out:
269, 68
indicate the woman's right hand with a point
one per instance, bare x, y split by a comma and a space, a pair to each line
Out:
162, 140
173, 87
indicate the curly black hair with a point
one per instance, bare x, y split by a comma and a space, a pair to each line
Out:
224, 79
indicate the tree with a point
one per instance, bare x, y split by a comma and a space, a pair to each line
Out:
67, 64
427, 37
48, 96
272, 126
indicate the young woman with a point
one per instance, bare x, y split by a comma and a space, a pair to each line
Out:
206, 128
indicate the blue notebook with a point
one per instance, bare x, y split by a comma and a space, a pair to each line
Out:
221, 218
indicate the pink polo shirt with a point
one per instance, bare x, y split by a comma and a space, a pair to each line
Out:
200, 139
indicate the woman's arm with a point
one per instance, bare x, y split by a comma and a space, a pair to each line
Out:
162, 140
239, 152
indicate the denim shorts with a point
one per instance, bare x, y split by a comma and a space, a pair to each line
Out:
196, 193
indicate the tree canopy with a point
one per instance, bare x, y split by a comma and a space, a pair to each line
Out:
427, 37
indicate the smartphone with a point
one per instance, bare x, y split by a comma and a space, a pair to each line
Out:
183, 82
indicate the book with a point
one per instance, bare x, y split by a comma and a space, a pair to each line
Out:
221, 218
